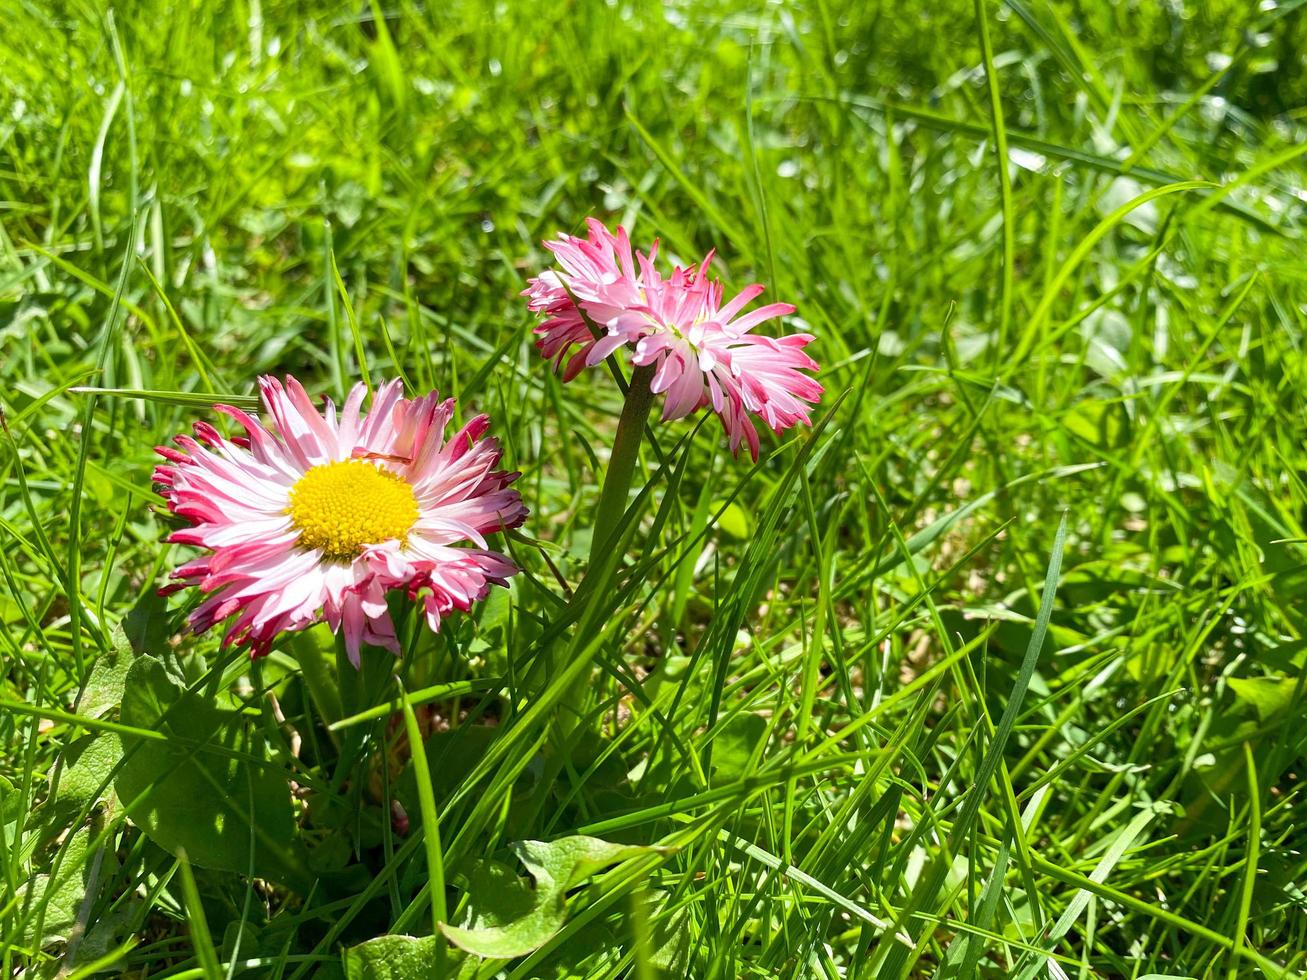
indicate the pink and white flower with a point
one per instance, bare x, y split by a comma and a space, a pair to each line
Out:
600, 272
704, 352
318, 517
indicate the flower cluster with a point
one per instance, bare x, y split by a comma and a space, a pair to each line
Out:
315, 516
321, 516
604, 297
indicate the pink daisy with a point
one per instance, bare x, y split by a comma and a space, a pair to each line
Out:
704, 352
317, 517
599, 271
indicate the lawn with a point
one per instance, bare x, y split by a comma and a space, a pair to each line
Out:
997, 668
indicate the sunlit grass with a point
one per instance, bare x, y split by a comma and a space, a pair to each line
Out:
885, 717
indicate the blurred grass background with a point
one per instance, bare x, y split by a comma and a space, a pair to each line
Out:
180, 185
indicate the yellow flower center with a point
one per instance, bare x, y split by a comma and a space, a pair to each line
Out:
343, 507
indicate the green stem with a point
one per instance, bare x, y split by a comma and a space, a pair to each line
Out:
608, 516
349, 679
621, 463
430, 827
318, 676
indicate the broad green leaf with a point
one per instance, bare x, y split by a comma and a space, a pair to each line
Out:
86, 766
670, 940
83, 785
1100, 424
509, 916
390, 958
104, 934
182, 794
85, 778
52, 901
450, 756
574, 859
734, 520
148, 625
10, 803
735, 745
104, 687
1267, 695
400, 958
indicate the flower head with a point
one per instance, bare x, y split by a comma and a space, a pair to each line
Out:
704, 352
599, 272
318, 517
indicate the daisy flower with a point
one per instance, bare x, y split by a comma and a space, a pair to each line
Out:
703, 350
319, 517
705, 354
600, 272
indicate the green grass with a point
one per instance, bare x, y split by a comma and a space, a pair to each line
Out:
1002, 666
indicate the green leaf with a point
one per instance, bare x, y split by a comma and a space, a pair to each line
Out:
1100, 424
733, 520
1268, 696
106, 933
451, 755
390, 958
738, 739
510, 917
84, 779
59, 894
103, 690
183, 399
197, 922
86, 766
83, 785
183, 794
965, 948
11, 804
400, 958
1120, 843
670, 941
148, 625
385, 60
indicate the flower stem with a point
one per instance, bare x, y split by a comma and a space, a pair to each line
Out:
317, 676
347, 679
612, 505
621, 463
